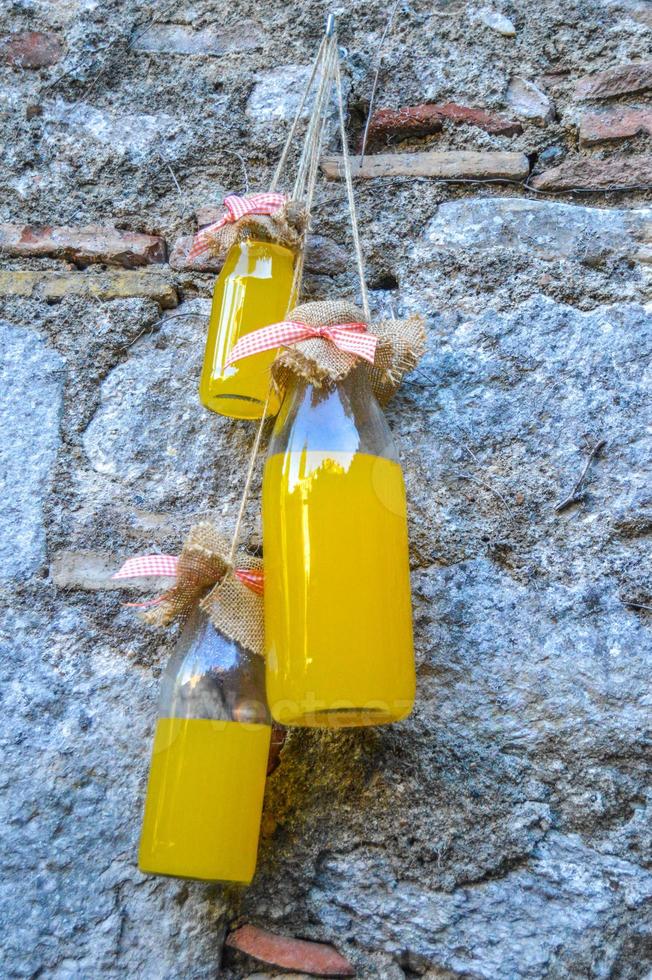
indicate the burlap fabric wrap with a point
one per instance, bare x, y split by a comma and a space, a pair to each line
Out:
401, 344
205, 577
286, 227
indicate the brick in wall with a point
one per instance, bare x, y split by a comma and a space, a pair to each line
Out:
83, 245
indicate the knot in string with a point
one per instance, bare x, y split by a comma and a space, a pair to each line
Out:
236, 208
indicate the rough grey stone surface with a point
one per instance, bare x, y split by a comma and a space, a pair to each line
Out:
173, 39
495, 20
147, 430
31, 381
503, 831
528, 101
571, 253
72, 126
72, 904
547, 229
277, 93
364, 894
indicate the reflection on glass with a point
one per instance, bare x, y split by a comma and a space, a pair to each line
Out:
252, 291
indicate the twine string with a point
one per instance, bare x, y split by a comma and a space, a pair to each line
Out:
327, 63
304, 188
330, 63
235, 540
307, 171
348, 177
297, 117
306, 181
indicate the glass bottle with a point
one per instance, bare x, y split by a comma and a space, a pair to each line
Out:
209, 760
252, 290
338, 619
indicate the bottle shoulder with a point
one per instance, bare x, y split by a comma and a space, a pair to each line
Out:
258, 260
212, 676
255, 248
343, 417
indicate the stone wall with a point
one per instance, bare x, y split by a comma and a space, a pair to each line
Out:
504, 831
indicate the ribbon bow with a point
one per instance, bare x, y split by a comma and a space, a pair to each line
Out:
352, 338
236, 207
204, 577
145, 566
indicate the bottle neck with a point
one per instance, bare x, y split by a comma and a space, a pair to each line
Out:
213, 677
342, 417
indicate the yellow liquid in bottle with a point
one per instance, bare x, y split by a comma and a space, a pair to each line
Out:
252, 290
204, 799
338, 618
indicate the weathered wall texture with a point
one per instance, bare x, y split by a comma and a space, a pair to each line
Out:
504, 831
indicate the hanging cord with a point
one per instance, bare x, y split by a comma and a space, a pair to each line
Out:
304, 190
314, 156
297, 117
329, 59
346, 162
388, 27
305, 184
235, 540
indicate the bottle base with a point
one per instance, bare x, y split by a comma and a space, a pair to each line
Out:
348, 717
239, 406
235, 406
209, 879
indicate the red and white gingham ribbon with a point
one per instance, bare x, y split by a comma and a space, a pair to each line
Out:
252, 578
236, 207
143, 566
353, 338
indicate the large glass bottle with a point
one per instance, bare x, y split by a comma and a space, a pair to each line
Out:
209, 760
338, 621
252, 290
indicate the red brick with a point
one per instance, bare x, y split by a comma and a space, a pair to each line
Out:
423, 120
616, 123
491, 122
589, 173
418, 120
621, 80
318, 959
32, 49
83, 245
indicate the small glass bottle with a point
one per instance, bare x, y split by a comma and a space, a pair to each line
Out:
338, 619
252, 290
209, 760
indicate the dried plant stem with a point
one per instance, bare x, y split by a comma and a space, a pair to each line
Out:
636, 605
147, 330
576, 496
487, 486
372, 97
